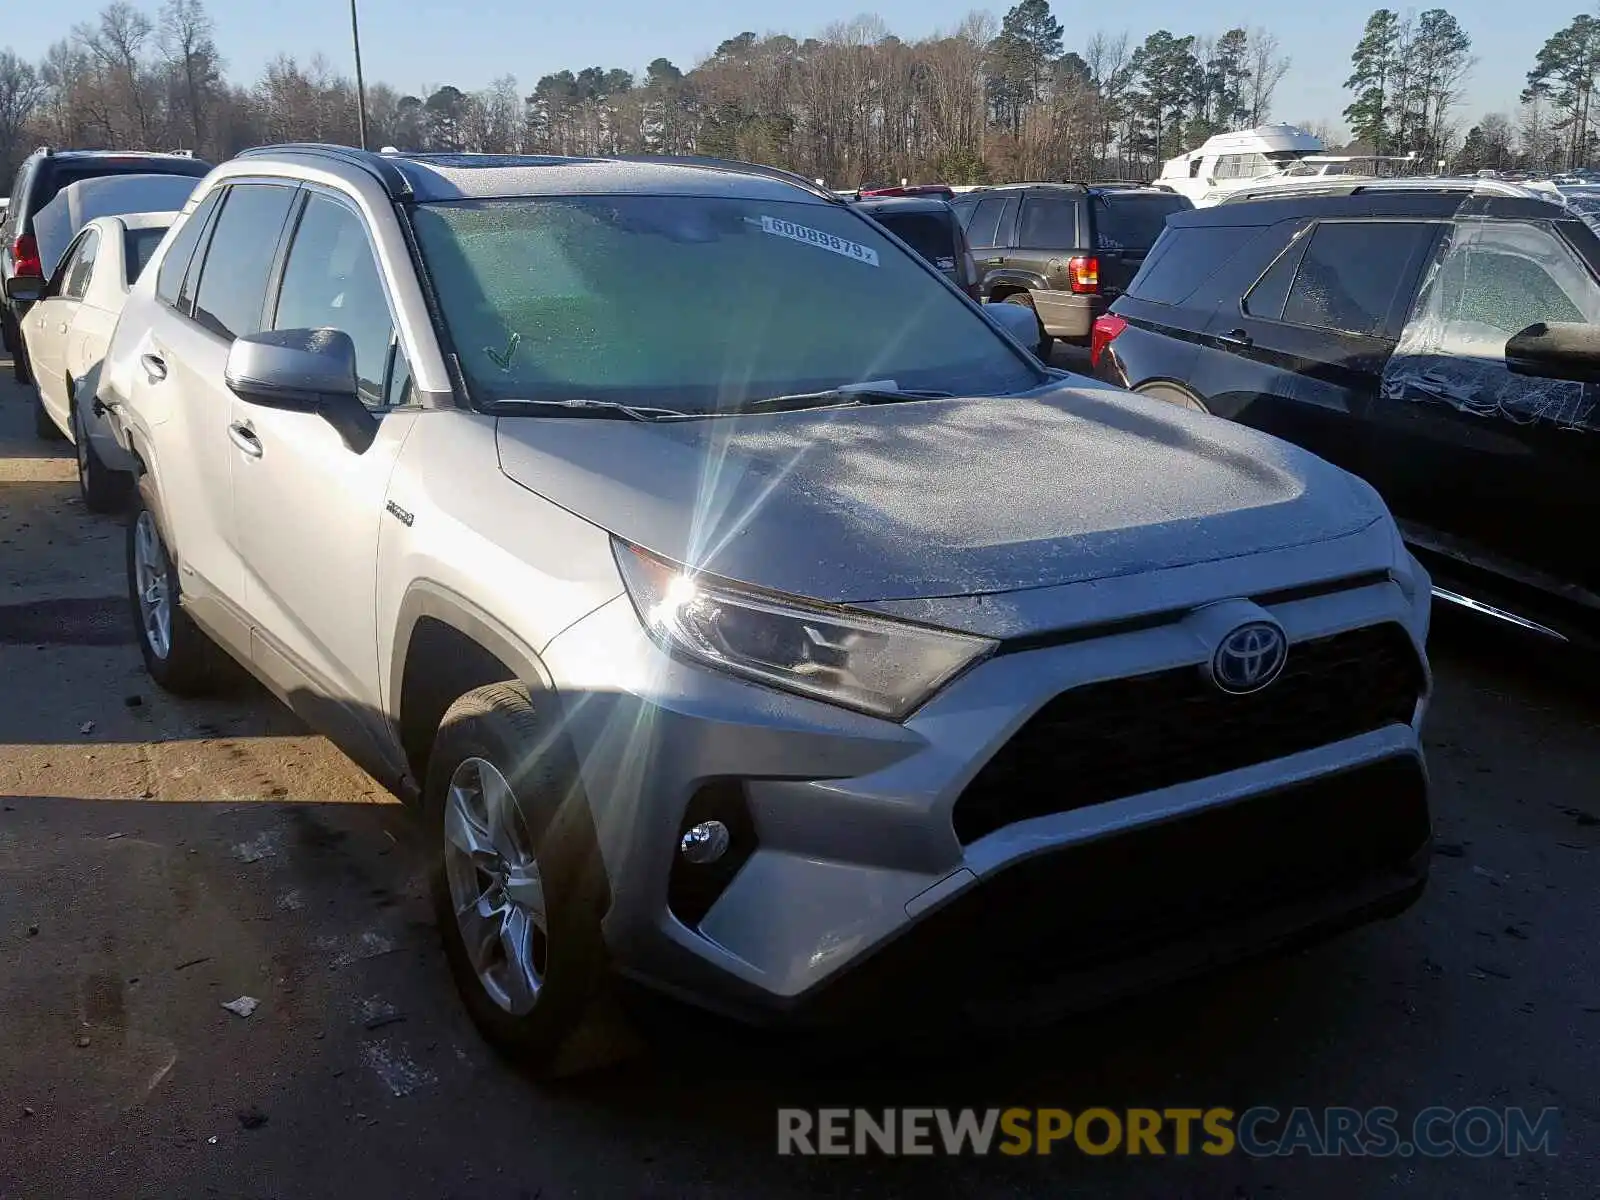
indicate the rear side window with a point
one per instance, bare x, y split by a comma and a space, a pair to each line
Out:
137, 246
929, 234
169, 281
1132, 222
1352, 274
1049, 222
233, 279
1183, 259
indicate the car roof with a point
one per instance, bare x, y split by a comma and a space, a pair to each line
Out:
426, 178
143, 220
888, 205
1270, 207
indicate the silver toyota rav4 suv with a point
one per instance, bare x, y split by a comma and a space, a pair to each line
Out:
744, 609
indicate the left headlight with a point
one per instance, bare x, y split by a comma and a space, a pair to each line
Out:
878, 666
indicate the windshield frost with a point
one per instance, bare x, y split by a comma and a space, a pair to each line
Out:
695, 303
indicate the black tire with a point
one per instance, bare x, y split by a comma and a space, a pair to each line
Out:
1046, 342
19, 359
501, 725
103, 490
190, 665
44, 426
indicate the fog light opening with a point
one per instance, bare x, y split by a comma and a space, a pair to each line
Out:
705, 843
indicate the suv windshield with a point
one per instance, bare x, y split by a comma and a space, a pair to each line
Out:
694, 303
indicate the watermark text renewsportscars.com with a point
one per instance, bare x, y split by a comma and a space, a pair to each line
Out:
1262, 1131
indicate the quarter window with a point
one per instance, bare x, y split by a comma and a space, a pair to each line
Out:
331, 281
238, 261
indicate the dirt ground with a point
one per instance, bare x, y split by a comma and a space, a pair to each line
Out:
159, 858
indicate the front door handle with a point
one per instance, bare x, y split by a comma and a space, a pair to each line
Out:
154, 366
245, 438
63, 327
1237, 339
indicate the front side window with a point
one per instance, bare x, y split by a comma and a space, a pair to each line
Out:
175, 263
238, 260
670, 301
1351, 275
331, 281
1494, 280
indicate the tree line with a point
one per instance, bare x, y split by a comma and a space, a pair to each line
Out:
988, 100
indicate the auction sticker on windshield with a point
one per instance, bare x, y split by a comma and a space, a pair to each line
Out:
816, 237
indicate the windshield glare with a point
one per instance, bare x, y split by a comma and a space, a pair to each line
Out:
695, 303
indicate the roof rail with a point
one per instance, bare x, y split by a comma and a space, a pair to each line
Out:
1356, 186
378, 166
733, 166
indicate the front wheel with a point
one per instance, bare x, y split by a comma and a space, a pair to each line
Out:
103, 490
180, 658
518, 888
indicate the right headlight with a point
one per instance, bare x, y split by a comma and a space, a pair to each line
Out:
869, 663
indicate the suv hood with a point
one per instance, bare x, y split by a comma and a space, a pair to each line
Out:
939, 497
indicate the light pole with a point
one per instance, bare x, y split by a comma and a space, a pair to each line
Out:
361, 87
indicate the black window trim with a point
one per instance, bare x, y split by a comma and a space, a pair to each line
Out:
1394, 319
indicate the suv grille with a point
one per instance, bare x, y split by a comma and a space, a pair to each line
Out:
1122, 737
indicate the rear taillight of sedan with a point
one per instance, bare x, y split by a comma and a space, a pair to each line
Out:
1107, 329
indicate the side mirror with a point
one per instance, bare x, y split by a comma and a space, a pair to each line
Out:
26, 289
1017, 320
303, 370
1556, 350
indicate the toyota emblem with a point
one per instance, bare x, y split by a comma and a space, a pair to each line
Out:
1249, 658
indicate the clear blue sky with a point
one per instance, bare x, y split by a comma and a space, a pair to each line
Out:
415, 44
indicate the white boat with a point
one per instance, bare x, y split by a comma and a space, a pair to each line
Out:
1250, 157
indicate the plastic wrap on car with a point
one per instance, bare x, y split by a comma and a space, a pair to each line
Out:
1437, 361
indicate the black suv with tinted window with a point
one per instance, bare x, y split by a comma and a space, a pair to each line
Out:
929, 226
1065, 250
43, 174
1371, 326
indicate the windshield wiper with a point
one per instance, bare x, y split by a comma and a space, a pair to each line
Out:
581, 406
845, 396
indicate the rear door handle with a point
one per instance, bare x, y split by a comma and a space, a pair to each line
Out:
63, 327
994, 262
1237, 339
245, 438
154, 366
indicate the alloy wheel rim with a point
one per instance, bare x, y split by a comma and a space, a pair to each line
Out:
150, 578
496, 887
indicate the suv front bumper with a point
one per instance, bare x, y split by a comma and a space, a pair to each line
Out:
848, 887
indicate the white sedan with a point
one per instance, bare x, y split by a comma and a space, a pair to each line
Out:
67, 332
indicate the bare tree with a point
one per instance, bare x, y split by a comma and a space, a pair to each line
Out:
116, 44
21, 92
1268, 66
187, 40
